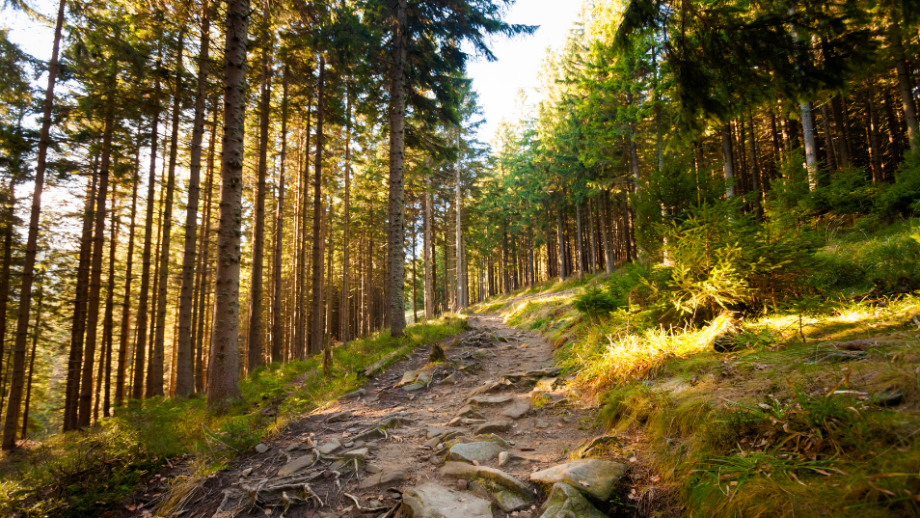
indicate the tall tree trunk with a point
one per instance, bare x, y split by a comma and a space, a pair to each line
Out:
78, 327
157, 359
414, 273
459, 236
258, 232
92, 316
728, 161
755, 171
39, 298
843, 134
396, 254
894, 128
832, 161
316, 315
185, 359
8, 222
300, 330
277, 344
428, 246
560, 241
108, 321
25, 292
205, 268
580, 242
344, 326
904, 85
140, 331
120, 376
875, 155
223, 364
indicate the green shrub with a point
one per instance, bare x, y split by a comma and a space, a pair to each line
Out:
903, 197
595, 302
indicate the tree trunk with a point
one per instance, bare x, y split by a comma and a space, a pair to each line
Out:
396, 254
428, 246
255, 353
205, 268
108, 321
316, 311
120, 376
25, 292
158, 357
185, 359
755, 171
92, 317
875, 155
843, 139
894, 128
300, 331
728, 161
344, 322
904, 85
459, 236
414, 273
140, 349
35, 336
277, 344
580, 242
560, 241
223, 364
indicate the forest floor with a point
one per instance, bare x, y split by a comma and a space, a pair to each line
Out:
496, 398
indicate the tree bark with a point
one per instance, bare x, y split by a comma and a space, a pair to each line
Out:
396, 254
120, 376
843, 138
25, 292
223, 364
459, 237
277, 343
428, 245
40, 298
92, 316
344, 326
316, 315
185, 360
904, 85
560, 242
108, 321
255, 352
728, 161
205, 260
140, 349
157, 360
755, 171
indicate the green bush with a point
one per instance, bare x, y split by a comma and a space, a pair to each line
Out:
903, 197
595, 302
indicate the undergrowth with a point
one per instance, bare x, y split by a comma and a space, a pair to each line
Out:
84, 473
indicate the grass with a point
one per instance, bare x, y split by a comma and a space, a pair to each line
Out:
85, 473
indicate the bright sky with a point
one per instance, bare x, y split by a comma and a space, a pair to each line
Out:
498, 83
518, 65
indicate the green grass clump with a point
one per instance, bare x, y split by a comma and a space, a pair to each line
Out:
85, 473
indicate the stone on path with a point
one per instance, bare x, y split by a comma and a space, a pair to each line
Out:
517, 410
340, 416
593, 476
474, 451
565, 501
261, 448
494, 426
434, 501
360, 454
386, 478
509, 493
329, 447
296, 465
489, 400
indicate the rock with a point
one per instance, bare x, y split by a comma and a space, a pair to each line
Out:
506, 457
339, 417
491, 437
360, 454
380, 364
474, 451
595, 444
372, 469
457, 421
329, 447
437, 461
565, 501
509, 493
517, 410
296, 465
494, 426
489, 400
450, 380
547, 384
593, 476
261, 448
462, 485
386, 478
246, 472
485, 389
434, 431
434, 501
541, 424
467, 411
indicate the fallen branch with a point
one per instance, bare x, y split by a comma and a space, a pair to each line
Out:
365, 509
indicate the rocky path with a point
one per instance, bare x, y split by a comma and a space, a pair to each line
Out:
487, 431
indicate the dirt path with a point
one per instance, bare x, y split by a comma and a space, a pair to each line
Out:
497, 386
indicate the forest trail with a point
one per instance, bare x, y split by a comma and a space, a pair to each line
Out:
498, 396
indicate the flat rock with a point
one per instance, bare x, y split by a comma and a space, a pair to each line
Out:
490, 400
296, 465
386, 478
329, 447
494, 426
565, 501
467, 411
434, 501
261, 448
492, 477
360, 454
593, 476
507, 457
474, 451
517, 410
